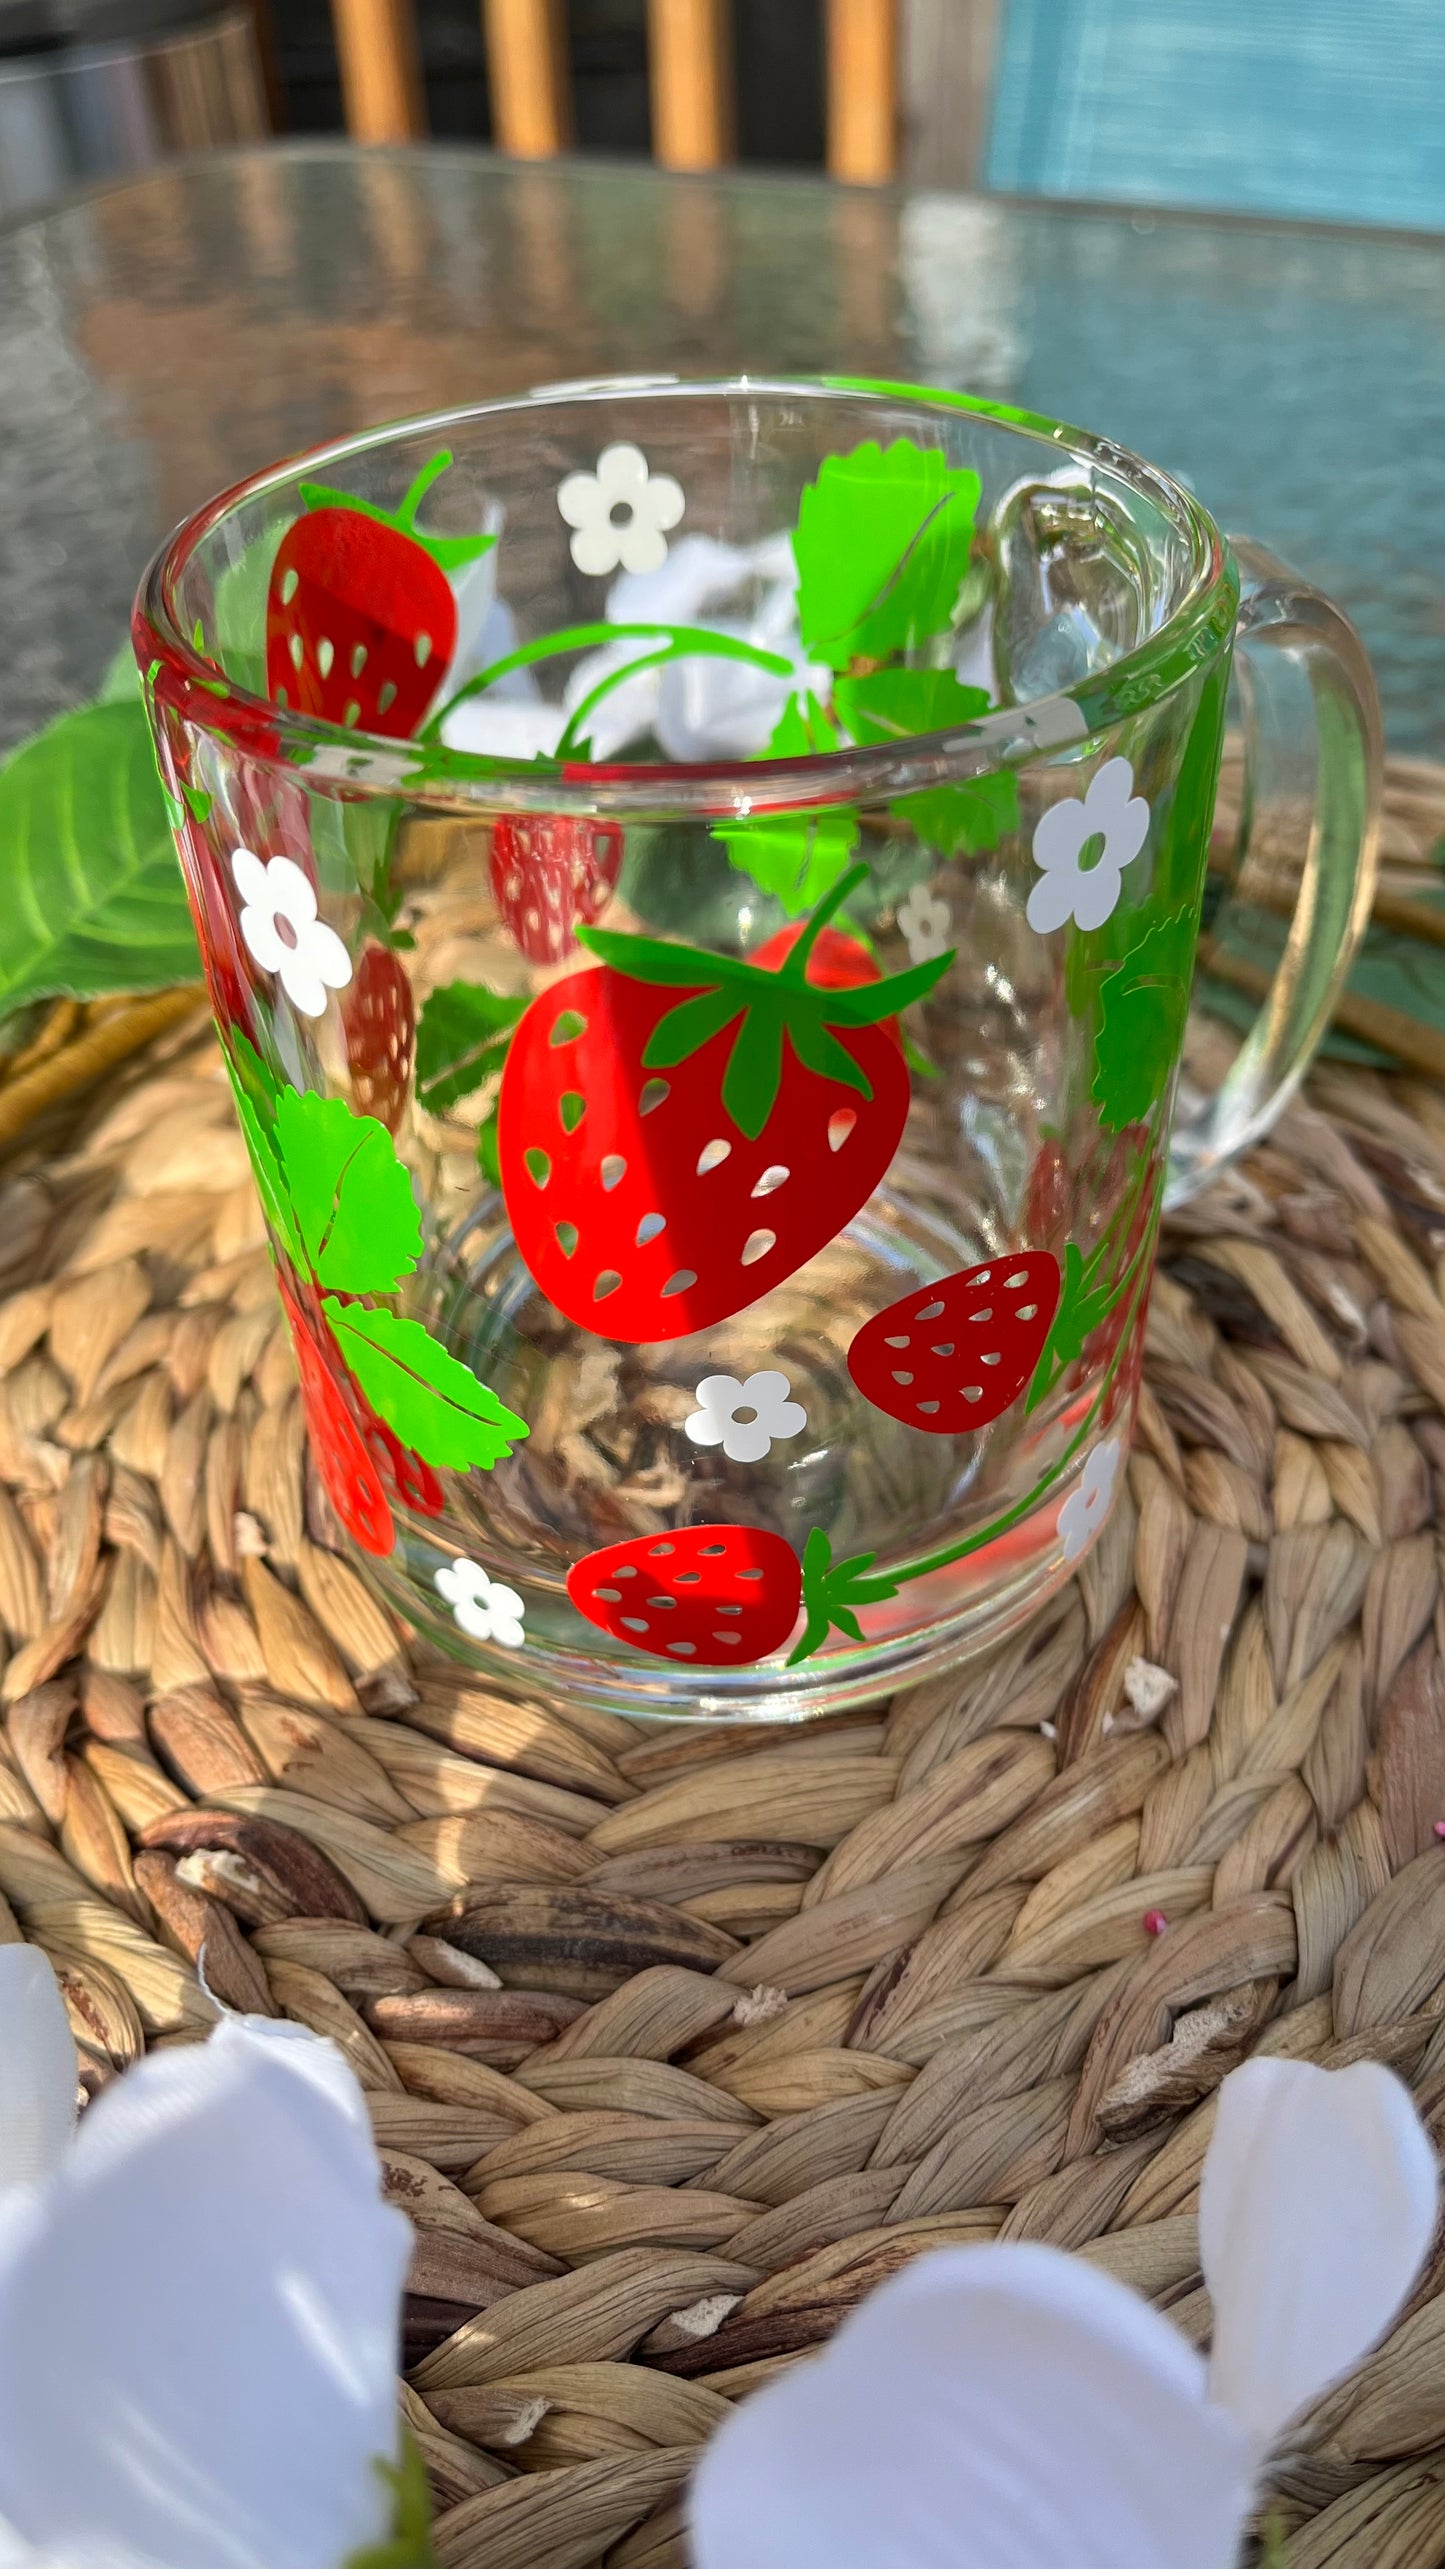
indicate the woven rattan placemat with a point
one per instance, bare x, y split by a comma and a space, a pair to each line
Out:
732, 2024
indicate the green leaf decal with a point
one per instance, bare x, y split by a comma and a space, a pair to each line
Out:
94, 900
963, 820
435, 1405
795, 857
1142, 1012
882, 544
896, 704
409, 2544
265, 1167
351, 1198
461, 1040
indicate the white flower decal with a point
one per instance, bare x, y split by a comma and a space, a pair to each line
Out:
620, 512
1086, 1507
1088, 894
1042, 2406
717, 1419
280, 926
925, 923
483, 1607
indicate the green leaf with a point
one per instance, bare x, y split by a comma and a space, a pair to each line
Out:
121, 683
350, 1195
265, 1167
461, 1040
435, 1405
489, 1159
262, 1088
897, 704
794, 857
882, 544
1142, 1012
804, 729
94, 900
409, 2544
962, 820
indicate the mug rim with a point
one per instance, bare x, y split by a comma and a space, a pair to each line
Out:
357, 763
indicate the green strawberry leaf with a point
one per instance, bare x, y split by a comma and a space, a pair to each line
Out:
351, 1198
256, 1129
263, 1089
832, 1592
1142, 1011
489, 1159
962, 820
882, 545
435, 1405
461, 1040
795, 857
94, 900
897, 704
804, 729
449, 552
409, 2544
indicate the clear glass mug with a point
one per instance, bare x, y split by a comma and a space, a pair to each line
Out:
699, 885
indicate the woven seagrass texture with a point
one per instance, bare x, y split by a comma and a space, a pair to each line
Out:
677, 2041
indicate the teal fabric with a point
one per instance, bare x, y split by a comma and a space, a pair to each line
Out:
1330, 109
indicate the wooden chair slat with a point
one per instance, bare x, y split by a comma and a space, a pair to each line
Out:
862, 90
380, 59
527, 69
690, 74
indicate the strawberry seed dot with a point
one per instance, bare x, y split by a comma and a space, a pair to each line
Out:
297, 650
840, 1125
607, 1282
682, 1282
566, 1235
757, 1245
422, 649
688, 1578
653, 1093
977, 1318
571, 1107
709, 1551
712, 1156
973, 1391
358, 658
750, 1574
930, 1311
771, 1180
633, 1623
928, 1407
625, 1570
608, 1596
649, 1227
669, 1602
905, 1379
568, 1026
1027, 1310
387, 697
614, 1170
656, 1551
945, 1350
290, 583
895, 1342
732, 1638
1019, 1277
325, 655
537, 1166
683, 1649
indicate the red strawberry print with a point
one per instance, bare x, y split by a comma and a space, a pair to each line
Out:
710, 1596
837, 961
403, 1473
550, 875
954, 1355
348, 1474
678, 1132
361, 623
379, 1023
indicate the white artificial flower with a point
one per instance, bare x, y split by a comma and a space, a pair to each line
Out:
279, 924
1086, 1506
482, 1606
716, 1419
199, 2301
926, 925
1111, 812
621, 512
1010, 2405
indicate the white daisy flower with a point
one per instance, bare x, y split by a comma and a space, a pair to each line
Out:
1084, 1510
744, 1418
280, 926
481, 1606
1111, 823
620, 512
925, 924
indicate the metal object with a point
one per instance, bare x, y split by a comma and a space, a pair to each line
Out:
95, 91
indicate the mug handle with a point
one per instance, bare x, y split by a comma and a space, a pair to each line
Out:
1314, 762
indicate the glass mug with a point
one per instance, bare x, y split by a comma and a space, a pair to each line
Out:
699, 886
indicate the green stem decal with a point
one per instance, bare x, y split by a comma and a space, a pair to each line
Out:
764, 1006
683, 641
449, 552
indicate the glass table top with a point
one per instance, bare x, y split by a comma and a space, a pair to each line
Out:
163, 338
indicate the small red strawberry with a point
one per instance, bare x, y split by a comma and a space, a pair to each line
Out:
550, 875
410, 1481
348, 1474
379, 1023
361, 623
954, 1355
709, 1596
678, 1132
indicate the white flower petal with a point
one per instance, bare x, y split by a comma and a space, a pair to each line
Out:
1000, 2406
258, 927
746, 1440
1060, 835
664, 502
211, 2283
1096, 893
449, 1583
249, 875
579, 499
1051, 903
640, 546
38, 2086
474, 1617
289, 894
595, 549
508, 1632
304, 988
505, 1601
1108, 794
704, 1427
621, 474
1316, 2211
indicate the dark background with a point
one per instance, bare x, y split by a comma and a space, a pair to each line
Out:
778, 74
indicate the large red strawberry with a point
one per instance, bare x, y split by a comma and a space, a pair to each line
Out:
953, 1355
550, 875
678, 1132
710, 1596
361, 622
348, 1475
379, 1023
